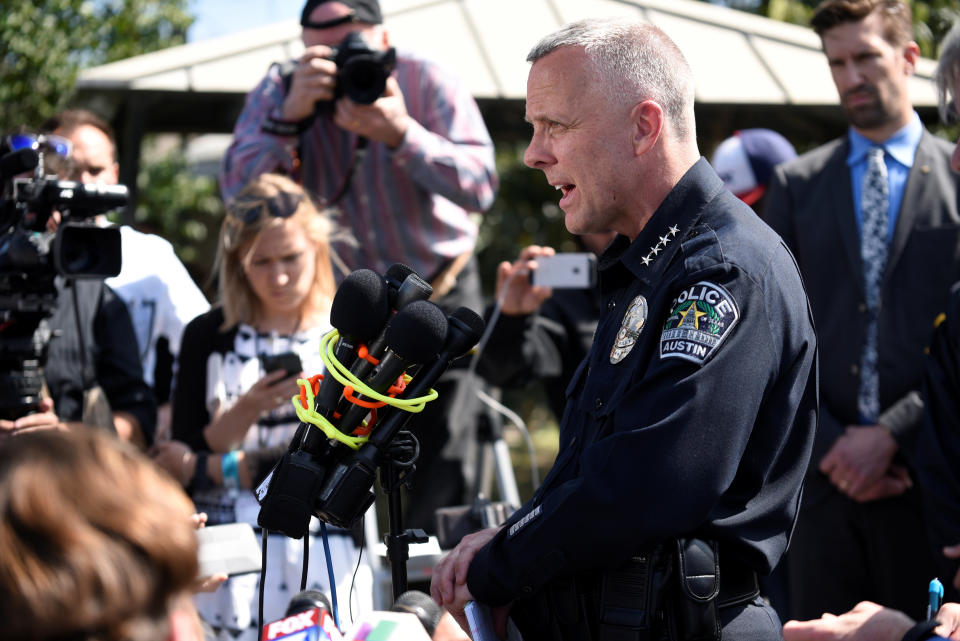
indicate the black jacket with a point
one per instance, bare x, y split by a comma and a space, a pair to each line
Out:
705, 424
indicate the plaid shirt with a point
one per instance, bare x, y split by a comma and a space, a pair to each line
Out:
408, 205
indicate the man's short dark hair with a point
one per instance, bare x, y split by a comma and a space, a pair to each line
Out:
71, 119
897, 19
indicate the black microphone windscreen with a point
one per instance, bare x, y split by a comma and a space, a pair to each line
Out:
417, 332
17, 162
397, 273
307, 600
420, 604
471, 328
360, 308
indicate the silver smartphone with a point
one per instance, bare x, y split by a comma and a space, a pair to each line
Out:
568, 270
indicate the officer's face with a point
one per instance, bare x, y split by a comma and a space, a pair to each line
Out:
871, 75
581, 141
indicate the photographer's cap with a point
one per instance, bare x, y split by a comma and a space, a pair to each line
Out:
361, 11
745, 161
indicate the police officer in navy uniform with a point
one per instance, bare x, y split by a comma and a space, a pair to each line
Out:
689, 425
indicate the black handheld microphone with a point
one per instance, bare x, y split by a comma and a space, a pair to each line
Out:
414, 335
307, 617
359, 311
420, 604
411, 289
346, 494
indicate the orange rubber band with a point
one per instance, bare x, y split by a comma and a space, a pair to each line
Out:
348, 395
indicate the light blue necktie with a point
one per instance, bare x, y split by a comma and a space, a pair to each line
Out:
873, 251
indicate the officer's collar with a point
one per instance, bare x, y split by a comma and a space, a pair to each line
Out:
648, 256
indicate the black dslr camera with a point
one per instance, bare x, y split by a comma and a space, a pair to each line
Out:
31, 257
361, 71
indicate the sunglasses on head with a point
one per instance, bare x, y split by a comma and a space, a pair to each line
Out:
40, 142
250, 208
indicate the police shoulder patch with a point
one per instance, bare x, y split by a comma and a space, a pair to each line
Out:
701, 317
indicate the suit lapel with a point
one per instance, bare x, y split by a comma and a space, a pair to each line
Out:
844, 214
913, 192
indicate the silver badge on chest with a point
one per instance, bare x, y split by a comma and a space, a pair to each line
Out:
630, 328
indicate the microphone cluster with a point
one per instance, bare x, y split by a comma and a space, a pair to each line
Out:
389, 346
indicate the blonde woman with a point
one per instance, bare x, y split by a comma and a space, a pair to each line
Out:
232, 414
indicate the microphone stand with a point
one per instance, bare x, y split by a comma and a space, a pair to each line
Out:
397, 539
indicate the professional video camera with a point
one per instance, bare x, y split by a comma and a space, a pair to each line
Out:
385, 331
31, 257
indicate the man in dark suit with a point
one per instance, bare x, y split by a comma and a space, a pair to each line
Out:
877, 238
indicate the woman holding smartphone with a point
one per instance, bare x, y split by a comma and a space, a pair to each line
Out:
232, 411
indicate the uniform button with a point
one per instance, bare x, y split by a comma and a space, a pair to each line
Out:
598, 403
854, 369
862, 308
611, 304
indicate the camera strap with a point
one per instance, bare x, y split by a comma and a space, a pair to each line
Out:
359, 152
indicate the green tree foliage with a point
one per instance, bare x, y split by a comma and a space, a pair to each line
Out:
932, 19
44, 43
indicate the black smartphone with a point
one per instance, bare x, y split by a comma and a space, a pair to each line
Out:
287, 361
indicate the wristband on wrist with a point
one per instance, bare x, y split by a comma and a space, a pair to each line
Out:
279, 127
229, 471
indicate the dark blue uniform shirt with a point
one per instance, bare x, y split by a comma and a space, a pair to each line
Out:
694, 412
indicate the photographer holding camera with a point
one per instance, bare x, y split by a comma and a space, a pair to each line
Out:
83, 337
400, 148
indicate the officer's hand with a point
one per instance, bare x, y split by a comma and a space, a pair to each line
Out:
859, 458
448, 586
385, 120
313, 80
866, 622
518, 296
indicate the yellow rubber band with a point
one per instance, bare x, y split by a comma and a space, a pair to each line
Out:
345, 377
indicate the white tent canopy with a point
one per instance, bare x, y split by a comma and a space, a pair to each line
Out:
737, 57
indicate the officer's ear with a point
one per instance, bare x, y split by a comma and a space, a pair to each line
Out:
646, 125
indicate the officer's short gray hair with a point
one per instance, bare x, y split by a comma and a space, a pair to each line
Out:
948, 67
635, 60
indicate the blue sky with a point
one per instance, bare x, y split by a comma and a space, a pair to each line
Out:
221, 17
